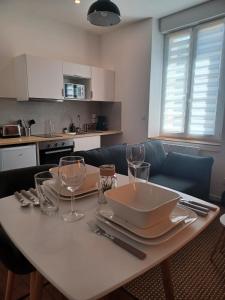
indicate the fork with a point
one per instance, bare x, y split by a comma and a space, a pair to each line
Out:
131, 249
23, 202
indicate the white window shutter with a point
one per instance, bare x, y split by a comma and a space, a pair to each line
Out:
206, 79
175, 81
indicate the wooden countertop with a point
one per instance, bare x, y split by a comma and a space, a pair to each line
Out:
61, 136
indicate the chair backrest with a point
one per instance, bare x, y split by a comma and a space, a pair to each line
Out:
18, 179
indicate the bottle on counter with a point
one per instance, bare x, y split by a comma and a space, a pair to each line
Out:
72, 127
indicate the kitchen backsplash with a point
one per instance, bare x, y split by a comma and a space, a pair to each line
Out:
61, 114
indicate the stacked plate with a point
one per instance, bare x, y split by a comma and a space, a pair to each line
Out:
145, 213
89, 186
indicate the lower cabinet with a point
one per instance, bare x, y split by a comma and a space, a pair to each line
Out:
17, 157
87, 143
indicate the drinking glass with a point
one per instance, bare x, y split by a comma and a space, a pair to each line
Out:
135, 155
140, 173
46, 185
72, 172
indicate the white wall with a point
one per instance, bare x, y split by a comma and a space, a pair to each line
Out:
25, 33
42, 37
127, 50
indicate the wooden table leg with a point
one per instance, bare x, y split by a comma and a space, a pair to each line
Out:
9, 285
36, 285
167, 280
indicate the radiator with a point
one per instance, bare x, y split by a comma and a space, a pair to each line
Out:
191, 150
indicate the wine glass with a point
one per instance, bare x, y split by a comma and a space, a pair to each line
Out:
135, 155
72, 172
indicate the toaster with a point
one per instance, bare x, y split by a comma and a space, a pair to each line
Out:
10, 131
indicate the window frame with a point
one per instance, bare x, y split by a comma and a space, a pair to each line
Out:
192, 57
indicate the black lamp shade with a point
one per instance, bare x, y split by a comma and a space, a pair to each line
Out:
103, 13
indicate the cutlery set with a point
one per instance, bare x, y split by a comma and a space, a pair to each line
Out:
200, 209
26, 198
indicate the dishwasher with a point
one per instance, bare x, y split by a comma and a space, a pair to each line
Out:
17, 157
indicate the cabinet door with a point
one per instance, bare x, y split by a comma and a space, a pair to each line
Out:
18, 157
103, 84
76, 70
87, 143
45, 78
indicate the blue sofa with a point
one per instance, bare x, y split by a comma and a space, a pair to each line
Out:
185, 173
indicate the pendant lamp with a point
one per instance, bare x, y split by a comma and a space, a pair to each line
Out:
103, 13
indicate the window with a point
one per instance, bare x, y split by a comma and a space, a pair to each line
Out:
192, 87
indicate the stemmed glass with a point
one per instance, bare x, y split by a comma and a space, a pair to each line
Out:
135, 155
72, 172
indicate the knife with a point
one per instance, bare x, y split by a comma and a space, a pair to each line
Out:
197, 211
33, 192
205, 205
189, 204
131, 249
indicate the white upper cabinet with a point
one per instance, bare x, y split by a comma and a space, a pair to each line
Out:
44, 78
102, 84
38, 77
76, 70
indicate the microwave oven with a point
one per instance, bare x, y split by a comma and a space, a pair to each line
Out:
74, 91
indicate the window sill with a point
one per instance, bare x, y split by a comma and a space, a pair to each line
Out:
204, 145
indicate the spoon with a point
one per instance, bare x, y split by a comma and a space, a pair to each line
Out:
23, 203
30, 197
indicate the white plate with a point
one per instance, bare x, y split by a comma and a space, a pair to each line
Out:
149, 241
79, 194
178, 215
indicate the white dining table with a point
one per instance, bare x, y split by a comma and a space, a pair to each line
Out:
79, 263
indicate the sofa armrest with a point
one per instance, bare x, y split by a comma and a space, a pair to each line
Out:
197, 168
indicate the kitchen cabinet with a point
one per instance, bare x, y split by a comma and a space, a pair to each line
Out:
87, 143
102, 84
44, 78
76, 70
17, 157
38, 77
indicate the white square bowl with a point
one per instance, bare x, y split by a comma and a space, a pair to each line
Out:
142, 204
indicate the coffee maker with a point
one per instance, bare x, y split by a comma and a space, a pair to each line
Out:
102, 123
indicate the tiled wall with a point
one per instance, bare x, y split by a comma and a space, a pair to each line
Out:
61, 114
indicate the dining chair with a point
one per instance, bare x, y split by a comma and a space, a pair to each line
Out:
14, 261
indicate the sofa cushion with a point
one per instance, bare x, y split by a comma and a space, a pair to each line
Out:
176, 183
109, 155
185, 166
155, 155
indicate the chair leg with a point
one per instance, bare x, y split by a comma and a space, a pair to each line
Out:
32, 282
9, 285
36, 285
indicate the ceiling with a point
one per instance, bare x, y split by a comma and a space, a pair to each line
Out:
66, 11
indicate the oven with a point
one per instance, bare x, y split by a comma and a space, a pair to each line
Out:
50, 152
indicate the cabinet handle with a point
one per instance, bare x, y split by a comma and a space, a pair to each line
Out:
91, 94
62, 92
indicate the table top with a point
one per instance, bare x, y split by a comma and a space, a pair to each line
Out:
79, 263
